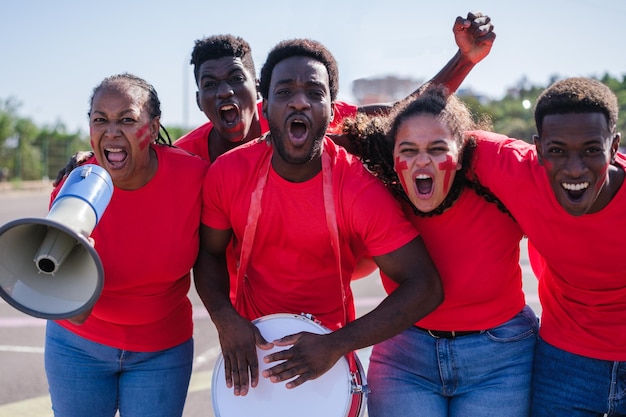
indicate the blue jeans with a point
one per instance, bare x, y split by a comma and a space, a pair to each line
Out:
569, 385
90, 379
482, 375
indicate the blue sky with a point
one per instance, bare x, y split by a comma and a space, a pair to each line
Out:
55, 52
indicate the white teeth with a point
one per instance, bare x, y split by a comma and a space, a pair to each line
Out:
114, 149
575, 187
228, 107
422, 177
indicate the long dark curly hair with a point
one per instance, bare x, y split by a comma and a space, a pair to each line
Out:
374, 139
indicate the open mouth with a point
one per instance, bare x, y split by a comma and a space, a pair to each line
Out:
115, 156
424, 185
575, 191
229, 114
298, 132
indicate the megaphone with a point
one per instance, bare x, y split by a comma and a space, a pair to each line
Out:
48, 268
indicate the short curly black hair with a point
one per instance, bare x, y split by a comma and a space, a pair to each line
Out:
300, 47
577, 95
219, 46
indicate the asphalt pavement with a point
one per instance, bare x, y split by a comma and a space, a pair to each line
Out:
23, 387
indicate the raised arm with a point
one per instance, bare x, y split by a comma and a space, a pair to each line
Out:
474, 36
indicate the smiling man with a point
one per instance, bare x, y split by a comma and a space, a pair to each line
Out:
567, 194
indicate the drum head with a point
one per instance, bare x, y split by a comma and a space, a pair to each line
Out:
329, 395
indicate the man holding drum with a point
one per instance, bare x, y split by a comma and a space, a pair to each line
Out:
301, 212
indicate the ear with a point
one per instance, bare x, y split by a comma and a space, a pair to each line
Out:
459, 161
332, 111
155, 125
264, 109
537, 142
198, 101
615, 146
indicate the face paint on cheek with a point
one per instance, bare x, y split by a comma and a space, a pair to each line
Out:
400, 167
448, 166
143, 136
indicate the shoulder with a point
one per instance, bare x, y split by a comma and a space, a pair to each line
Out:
199, 133
181, 158
501, 145
483, 136
196, 141
345, 109
351, 176
246, 156
342, 110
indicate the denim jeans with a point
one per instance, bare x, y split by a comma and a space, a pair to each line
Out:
90, 379
482, 375
569, 385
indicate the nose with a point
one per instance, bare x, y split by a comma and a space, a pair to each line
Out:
300, 101
224, 90
575, 166
112, 128
422, 159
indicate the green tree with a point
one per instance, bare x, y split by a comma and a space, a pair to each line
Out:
57, 146
176, 132
27, 157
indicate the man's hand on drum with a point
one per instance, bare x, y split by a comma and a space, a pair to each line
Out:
310, 357
238, 343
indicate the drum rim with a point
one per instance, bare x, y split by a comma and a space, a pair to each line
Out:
305, 318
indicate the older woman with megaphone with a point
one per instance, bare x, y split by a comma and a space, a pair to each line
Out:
133, 351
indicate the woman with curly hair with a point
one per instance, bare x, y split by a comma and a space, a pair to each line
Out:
473, 355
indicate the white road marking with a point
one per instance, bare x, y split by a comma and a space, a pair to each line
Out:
21, 349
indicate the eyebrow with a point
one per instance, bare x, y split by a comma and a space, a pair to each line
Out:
585, 143
435, 142
210, 75
122, 113
308, 83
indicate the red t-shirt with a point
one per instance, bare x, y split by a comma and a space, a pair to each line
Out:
292, 266
197, 141
583, 284
475, 248
148, 242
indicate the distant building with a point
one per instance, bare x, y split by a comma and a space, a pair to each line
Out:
391, 88
383, 90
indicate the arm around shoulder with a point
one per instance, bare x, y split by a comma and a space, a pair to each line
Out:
419, 292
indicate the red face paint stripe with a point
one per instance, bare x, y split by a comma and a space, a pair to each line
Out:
449, 167
144, 137
401, 166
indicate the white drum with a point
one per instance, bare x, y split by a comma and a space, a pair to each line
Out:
337, 393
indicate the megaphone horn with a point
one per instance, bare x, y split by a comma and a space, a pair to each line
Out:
48, 268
